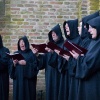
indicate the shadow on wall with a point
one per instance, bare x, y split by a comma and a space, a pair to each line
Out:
40, 95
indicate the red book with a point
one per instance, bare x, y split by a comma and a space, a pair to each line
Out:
53, 46
40, 47
16, 56
62, 52
72, 46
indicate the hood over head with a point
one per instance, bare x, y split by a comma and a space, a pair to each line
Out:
95, 23
24, 38
57, 30
85, 19
73, 26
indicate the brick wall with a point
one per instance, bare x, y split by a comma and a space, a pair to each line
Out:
94, 5
35, 18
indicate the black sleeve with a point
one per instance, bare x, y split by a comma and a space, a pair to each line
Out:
62, 64
72, 63
53, 61
31, 67
42, 61
4, 59
12, 70
88, 66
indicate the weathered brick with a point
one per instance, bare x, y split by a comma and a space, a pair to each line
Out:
20, 5
15, 8
17, 19
20, 23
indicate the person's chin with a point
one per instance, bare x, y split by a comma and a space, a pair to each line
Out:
93, 37
22, 49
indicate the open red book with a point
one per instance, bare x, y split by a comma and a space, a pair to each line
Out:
40, 47
72, 46
16, 56
53, 46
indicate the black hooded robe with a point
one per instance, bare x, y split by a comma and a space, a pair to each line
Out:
88, 68
85, 41
52, 75
25, 76
65, 80
85, 36
4, 74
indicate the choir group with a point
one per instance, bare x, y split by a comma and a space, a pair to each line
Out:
68, 76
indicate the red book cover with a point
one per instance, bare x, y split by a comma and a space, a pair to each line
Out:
53, 46
16, 56
62, 52
40, 47
72, 46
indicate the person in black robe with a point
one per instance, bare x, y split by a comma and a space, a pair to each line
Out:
85, 41
88, 66
24, 72
85, 36
71, 34
4, 73
49, 62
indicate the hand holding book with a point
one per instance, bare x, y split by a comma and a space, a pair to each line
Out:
66, 57
59, 50
22, 62
74, 47
49, 47
74, 54
40, 47
16, 56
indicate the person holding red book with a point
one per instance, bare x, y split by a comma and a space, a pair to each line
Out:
71, 34
85, 42
88, 66
49, 62
24, 72
71, 63
83, 32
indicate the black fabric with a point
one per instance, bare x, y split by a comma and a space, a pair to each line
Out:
25, 76
73, 24
84, 21
26, 44
65, 67
57, 30
4, 72
95, 24
53, 61
49, 62
75, 84
91, 16
74, 35
88, 68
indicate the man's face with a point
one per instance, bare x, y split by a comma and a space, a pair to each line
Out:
22, 45
54, 36
93, 32
67, 29
80, 28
